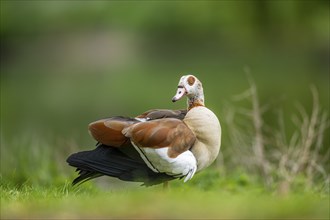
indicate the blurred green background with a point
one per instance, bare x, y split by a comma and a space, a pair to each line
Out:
65, 64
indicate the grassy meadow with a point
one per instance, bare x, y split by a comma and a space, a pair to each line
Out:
221, 198
264, 66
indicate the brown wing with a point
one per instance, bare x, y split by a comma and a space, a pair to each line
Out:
163, 113
170, 132
109, 131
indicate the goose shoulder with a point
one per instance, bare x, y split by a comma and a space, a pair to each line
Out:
206, 127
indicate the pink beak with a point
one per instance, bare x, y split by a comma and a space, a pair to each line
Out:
179, 93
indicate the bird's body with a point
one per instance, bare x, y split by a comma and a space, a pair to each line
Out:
156, 146
206, 127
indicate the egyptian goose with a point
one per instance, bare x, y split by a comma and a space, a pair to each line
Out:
156, 146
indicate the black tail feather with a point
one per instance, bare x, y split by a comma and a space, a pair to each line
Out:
120, 163
85, 176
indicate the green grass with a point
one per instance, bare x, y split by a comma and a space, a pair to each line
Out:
208, 195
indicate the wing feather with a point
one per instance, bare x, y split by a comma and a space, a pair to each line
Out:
163, 113
109, 131
159, 133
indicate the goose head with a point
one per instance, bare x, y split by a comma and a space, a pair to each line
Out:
191, 87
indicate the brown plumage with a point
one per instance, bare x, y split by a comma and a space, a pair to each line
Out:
109, 131
159, 133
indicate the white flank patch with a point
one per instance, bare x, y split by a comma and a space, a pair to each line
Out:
144, 157
158, 161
